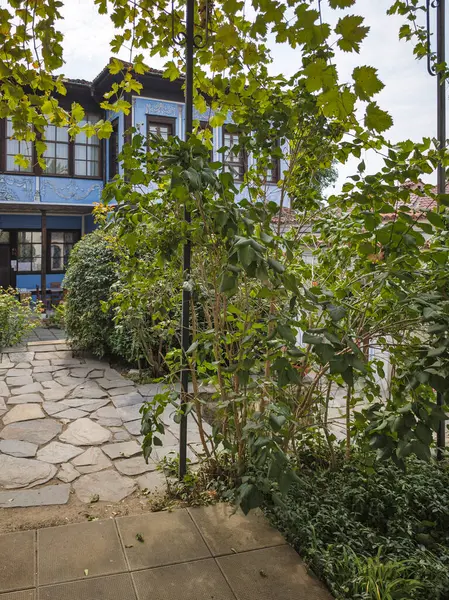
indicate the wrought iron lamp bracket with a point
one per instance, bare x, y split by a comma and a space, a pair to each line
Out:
430, 65
200, 40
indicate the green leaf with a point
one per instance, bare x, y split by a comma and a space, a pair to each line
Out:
352, 32
275, 265
320, 75
341, 3
277, 421
377, 119
77, 112
228, 283
366, 82
286, 333
424, 434
436, 219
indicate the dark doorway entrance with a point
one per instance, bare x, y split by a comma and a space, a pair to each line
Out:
5, 266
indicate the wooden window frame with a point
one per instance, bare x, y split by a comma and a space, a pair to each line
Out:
49, 232
111, 158
243, 162
170, 121
36, 169
69, 160
16, 258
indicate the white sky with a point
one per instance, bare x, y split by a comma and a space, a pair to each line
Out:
409, 94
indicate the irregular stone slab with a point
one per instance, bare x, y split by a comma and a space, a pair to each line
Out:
19, 381
81, 372
85, 432
37, 432
122, 450
25, 399
72, 413
40, 363
32, 388
135, 466
127, 400
23, 365
43, 346
16, 372
3, 407
42, 377
84, 404
67, 473
56, 453
121, 391
152, 482
112, 374
129, 413
46, 496
47, 369
46, 355
23, 472
88, 390
134, 427
121, 436
109, 384
107, 416
18, 357
108, 485
97, 374
23, 412
4, 391
91, 461
150, 389
67, 381
67, 362
52, 408
56, 393
18, 449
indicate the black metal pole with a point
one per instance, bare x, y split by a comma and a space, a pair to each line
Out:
185, 326
441, 117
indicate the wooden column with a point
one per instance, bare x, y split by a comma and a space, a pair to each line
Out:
44, 257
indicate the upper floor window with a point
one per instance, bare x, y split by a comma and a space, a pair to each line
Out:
274, 171
14, 147
79, 157
234, 159
161, 126
87, 152
56, 154
113, 150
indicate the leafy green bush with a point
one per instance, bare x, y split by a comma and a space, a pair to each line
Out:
17, 318
372, 537
91, 272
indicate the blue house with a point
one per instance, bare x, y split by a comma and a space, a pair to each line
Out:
44, 212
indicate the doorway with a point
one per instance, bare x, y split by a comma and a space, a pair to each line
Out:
5, 266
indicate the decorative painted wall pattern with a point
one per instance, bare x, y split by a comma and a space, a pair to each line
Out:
17, 188
166, 109
70, 191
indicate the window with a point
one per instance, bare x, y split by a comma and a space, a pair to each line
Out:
234, 162
4, 237
14, 147
113, 150
160, 126
273, 172
63, 156
61, 244
87, 152
57, 152
29, 251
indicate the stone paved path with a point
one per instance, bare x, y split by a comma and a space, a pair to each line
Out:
201, 553
73, 424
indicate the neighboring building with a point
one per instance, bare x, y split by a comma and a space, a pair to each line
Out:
44, 213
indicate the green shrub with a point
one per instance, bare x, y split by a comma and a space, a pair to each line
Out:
91, 272
17, 318
372, 537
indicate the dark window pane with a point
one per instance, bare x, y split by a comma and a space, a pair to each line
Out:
37, 236
4, 237
24, 236
57, 236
